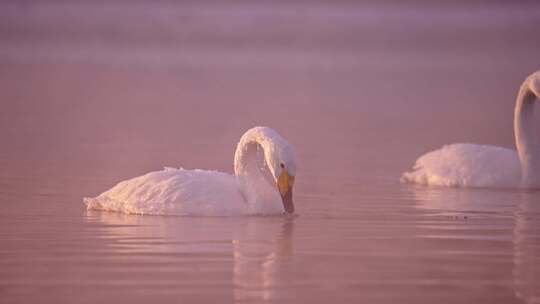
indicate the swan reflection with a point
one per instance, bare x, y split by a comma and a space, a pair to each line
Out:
258, 263
526, 271
248, 256
487, 214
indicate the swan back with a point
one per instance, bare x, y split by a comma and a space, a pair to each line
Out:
466, 165
174, 192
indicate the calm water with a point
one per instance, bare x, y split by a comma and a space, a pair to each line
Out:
94, 93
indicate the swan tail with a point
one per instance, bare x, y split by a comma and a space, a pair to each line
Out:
92, 203
413, 176
108, 204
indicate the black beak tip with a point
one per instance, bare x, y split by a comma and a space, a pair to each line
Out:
288, 203
289, 209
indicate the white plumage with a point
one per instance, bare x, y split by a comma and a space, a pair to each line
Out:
467, 165
210, 193
471, 165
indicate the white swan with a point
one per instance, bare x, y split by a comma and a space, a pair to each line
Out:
264, 166
471, 165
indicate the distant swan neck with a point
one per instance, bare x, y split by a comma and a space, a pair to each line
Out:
526, 143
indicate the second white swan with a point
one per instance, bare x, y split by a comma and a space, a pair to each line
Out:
471, 165
264, 166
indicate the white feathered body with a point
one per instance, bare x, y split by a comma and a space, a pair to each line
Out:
467, 165
174, 192
209, 193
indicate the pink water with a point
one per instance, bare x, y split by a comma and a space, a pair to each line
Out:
94, 93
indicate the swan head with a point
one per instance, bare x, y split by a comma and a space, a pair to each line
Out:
279, 157
285, 183
281, 160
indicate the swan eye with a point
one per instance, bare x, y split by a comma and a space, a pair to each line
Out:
282, 165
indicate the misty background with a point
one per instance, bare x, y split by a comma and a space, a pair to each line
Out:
154, 83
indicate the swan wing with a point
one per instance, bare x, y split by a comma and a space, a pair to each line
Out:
467, 165
174, 192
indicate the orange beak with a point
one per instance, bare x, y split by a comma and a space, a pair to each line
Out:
285, 184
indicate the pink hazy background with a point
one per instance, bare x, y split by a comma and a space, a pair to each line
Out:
160, 81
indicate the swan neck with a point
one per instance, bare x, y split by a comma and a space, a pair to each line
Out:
527, 146
245, 157
253, 170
